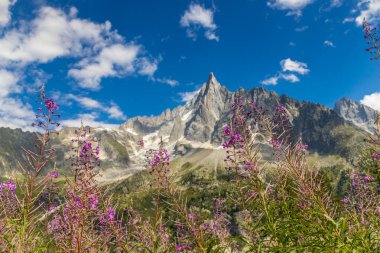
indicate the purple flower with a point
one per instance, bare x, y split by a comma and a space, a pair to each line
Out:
234, 140
275, 143
51, 106
248, 166
192, 216
302, 146
160, 156
9, 185
345, 201
111, 214
376, 156
368, 179
86, 149
227, 131
94, 201
52, 174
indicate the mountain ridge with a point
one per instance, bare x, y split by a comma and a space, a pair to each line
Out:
198, 125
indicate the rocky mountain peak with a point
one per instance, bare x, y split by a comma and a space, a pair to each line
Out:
207, 108
212, 79
211, 87
360, 115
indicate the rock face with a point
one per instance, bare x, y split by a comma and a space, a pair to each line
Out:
362, 116
11, 143
199, 125
208, 108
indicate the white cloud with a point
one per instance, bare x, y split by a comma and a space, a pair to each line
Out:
88, 119
113, 110
370, 10
8, 83
294, 66
348, 20
15, 114
294, 7
288, 68
290, 77
197, 16
87, 102
336, 3
270, 81
274, 79
112, 61
329, 43
187, 96
301, 29
372, 100
168, 81
50, 35
147, 67
54, 34
5, 14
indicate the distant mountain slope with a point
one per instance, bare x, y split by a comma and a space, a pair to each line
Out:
361, 115
11, 143
196, 128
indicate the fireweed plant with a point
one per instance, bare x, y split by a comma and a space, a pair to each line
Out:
20, 205
286, 205
194, 231
372, 37
85, 222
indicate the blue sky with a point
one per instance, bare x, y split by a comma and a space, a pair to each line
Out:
109, 60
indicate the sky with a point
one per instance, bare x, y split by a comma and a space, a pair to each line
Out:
105, 61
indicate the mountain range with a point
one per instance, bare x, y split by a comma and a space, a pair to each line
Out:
193, 132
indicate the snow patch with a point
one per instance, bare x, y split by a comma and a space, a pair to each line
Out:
186, 115
130, 130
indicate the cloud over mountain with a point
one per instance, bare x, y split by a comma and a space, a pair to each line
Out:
198, 17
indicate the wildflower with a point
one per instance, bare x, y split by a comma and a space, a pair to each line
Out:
86, 149
9, 185
111, 214
227, 131
192, 216
345, 201
376, 156
248, 166
234, 141
275, 143
368, 179
94, 202
52, 174
302, 146
160, 156
51, 106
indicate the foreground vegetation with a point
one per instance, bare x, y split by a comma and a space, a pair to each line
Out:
286, 205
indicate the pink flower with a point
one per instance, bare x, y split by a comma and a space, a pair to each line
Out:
275, 143
227, 131
111, 214
51, 106
9, 185
52, 174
